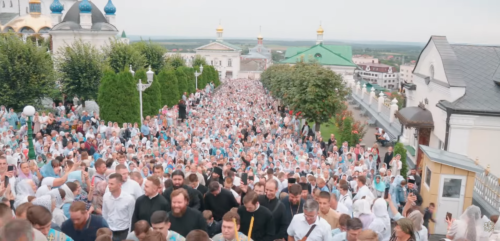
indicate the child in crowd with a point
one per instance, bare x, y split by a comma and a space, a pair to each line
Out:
213, 227
429, 211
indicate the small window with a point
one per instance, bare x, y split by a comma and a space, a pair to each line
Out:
11, 5
229, 63
431, 72
317, 55
428, 175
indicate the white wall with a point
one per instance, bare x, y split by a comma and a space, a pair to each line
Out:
476, 137
430, 56
66, 38
220, 61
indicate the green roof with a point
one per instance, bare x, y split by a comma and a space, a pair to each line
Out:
123, 34
370, 85
230, 45
324, 54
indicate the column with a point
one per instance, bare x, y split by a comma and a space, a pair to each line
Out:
394, 108
372, 96
380, 101
363, 91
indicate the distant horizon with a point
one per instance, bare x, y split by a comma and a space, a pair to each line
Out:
166, 37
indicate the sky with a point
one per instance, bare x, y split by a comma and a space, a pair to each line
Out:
462, 21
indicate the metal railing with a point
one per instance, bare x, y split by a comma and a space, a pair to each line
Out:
487, 188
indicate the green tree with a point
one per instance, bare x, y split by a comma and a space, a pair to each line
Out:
176, 61
154, 54
26, 72
118, 97
151, 97
169, 88
400, 149
346, 132
121, 55
190, 79
214, 74
81, 69
317, 92
182, 81
199, 60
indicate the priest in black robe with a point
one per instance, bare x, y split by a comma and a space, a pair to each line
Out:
184, 219
293, 203
263, 223
150, 202
216, 176
291, 181
276, 207
219, 200
178, 182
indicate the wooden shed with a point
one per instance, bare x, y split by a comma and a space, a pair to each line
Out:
448, 182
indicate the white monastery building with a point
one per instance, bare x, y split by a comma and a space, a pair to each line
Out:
380, 74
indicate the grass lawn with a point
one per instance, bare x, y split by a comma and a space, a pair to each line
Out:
327, 129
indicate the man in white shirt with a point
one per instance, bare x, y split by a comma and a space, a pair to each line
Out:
345, 199
117, 208
309, 225
128, 186
363, 190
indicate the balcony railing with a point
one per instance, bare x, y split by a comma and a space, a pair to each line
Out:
487, 189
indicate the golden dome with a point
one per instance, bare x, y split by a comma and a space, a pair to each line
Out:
36, 23
260, 36
220, 29
320, 30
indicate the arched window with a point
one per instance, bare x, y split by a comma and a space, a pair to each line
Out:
3, 4
44, 30
229, 63
8, 29
11, 5
27, 30
317, 55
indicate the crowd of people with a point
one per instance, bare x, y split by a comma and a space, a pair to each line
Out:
226, 164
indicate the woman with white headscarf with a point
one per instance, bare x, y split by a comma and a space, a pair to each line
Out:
421, 232
381, 223
24, 189
58, 216
361, 210
469, 226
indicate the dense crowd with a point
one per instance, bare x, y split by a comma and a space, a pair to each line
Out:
224, 164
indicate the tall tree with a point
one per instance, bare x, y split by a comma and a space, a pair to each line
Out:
118, 97
318, 92
154, 54
81, 69
121, 55
199, 60
400, 149
26, 72
151, 97
182, 81
169, 87
190, 79
176, 61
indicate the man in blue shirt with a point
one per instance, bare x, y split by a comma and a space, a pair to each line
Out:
82, 226
145, 129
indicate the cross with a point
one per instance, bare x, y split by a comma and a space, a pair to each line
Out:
51, 237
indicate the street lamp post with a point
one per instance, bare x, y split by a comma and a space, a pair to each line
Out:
29, 111
142, 87
196, 74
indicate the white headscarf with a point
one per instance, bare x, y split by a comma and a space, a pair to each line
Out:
55, 194
381, 223
44, 201
70, 197
23, 190
42, 190
469, 226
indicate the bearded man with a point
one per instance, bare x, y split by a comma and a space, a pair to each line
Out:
178, 182
81, 225
183, 219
